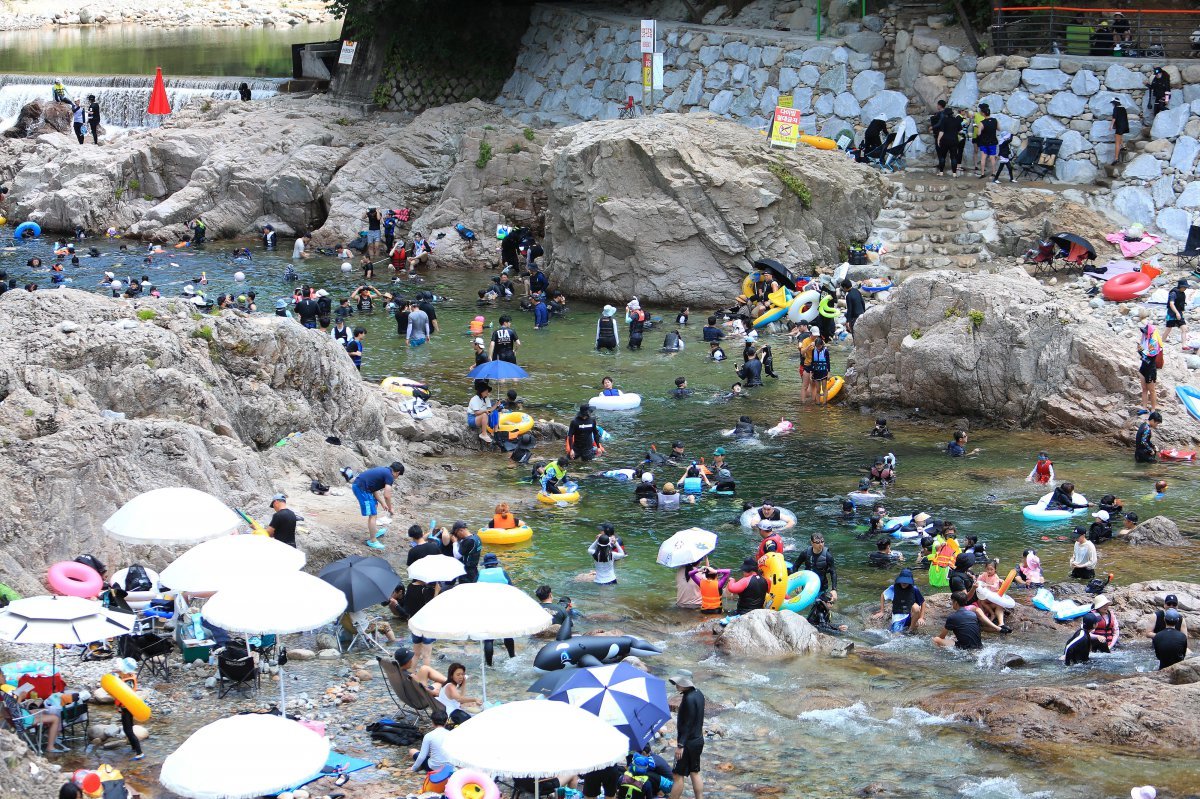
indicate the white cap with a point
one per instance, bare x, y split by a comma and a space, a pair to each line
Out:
322, 293
1143, 792
479, 341
1102, 515
647, 477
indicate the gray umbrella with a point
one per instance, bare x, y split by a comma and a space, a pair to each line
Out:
365, 581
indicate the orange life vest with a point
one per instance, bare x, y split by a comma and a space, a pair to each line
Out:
710, 593
505, 521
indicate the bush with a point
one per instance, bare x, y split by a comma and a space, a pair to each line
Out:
204, 332
514, 148
485, 154
916, 333
976, 318
795, 184
146, 314
529, 134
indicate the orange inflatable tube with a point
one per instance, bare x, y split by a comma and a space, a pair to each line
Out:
1007, 581
125, 697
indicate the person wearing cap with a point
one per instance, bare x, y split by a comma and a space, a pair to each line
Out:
324, 309
1144, 450
1160, 90
1129, 523
677, 454
1149, 351
408, 659
1120, 127
505, 341
1043, 471
1176, 305
606, 550
689, 735
1078, 648
646, 492
1170, 602
770, 541
1108, 630
817, 558
340, 332
372, 487
1083, 556
751, 589
1100, 530
541, 311
607, 335
282, 526
1170, 643
636, 318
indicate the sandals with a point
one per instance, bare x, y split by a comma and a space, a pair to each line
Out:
341, 780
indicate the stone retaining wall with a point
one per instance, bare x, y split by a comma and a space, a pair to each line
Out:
581, 64
1070, 97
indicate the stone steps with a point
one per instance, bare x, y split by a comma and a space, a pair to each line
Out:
934, 223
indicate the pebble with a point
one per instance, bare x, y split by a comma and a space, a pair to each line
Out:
301, 654
328, 654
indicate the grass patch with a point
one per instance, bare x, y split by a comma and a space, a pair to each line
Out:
794, 184
529, 135
146, 314
514, 148
952, 312
29, 411
343, 121
976, 318
204, 332
603, 198
485, 154
916, 333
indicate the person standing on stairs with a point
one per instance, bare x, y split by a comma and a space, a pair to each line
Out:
946, 127
1120, 126
988, 142
961, 136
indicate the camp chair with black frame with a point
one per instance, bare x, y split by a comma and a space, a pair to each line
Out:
406, 692
1026, 159
148, 648
893, 159
23, 722
75, 721
1190, 254
237, 666
1046, 160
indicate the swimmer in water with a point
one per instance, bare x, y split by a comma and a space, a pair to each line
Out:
744, 428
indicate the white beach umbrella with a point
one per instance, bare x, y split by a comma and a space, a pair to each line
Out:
511, 740
244, 756
172, 516
65, 620
436, 569
276, 604
686, 547
229, 560
480, 612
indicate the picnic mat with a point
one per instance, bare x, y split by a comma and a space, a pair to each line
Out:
335, 764
1131, 249
1114, 268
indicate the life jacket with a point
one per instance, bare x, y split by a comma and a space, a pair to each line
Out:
710, 593
555, 472
903, 599
1108, 628
607, 330
476, 327
946, 554
632, 786
504, 521
1043, 471
637, 322
671, 342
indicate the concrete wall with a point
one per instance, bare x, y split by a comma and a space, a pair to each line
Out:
580, 64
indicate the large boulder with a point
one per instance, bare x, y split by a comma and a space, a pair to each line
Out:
676, 208
1004, 348
1136, 603
40, 117
767, 633
1157, 531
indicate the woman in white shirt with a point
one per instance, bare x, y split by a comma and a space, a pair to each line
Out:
606, 550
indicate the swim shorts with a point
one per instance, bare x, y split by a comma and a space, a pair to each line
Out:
989, 149
366, 501
372, 236
690, 762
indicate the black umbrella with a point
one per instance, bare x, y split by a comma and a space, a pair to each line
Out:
1065, 240
365, 581
779, 270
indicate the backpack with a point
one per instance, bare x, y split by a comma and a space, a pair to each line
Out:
465, 232
631, 786
136, 579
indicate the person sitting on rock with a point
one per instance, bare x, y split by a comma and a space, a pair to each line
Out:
906, 603
1108, 630
821, 618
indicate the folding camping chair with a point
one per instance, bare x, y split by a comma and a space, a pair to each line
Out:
23, 722
406, 692
1029, 156
893, 159
148, 648
1046, 160
75, 721
1042, 258
1078, 254
1190, 254
237, 666
351, 632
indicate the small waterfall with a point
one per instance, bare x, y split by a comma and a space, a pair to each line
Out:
123, 99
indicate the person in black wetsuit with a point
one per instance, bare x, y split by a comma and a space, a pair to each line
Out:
750, 373
744, 428
1079, 646
1144, 450
819, 559
1063, 498
583, 435
689, 735
681, 389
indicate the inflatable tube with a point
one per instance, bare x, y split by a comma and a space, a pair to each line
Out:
870, 289
125, 697
402, 386
864, 497
827, 308
752, 278
1126, 286
74, 579
1043, 599
802, 590
1037, 512
693, 485
1190, 397
773, 315
1177, 454
749, 518
804, 307
548, 499
1012, 574
833, 387
624, 475
892, 524
780, 297
590, 650
713, 490
988, 595
513, 535
1067, 609
515, 423
416, 408
820, 142
621, 402
27, 227
774, 570
469, 783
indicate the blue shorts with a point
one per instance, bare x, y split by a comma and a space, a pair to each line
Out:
989, 149
416, 639
366, 501
372, 236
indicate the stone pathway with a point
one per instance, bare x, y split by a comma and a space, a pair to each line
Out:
935, 223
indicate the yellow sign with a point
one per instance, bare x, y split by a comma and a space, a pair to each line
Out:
786, 100
785, 130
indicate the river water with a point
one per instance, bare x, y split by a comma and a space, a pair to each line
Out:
831, 726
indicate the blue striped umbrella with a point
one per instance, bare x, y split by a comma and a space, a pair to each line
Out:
627, 698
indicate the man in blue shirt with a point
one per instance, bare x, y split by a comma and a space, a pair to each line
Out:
372, 487
958, 447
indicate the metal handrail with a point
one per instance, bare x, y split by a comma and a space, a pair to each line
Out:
1139, 33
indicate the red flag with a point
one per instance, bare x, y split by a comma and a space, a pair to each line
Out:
158, 96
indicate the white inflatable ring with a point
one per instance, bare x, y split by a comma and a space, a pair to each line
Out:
621, 402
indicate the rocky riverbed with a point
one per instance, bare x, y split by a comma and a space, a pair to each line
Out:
28, 14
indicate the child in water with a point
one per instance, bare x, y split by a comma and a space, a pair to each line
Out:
715, 353
1043, 470
1029, 572
606, 388
880, 430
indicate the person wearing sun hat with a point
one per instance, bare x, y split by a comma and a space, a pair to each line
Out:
607, 335
689, 735
1108, 630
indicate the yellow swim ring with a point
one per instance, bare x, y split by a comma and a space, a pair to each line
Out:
774, 571
513, 535
832, 386
554, 499
515, 423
